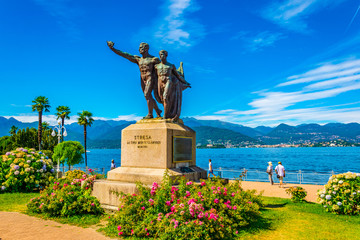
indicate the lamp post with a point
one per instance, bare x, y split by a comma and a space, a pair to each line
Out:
59, 133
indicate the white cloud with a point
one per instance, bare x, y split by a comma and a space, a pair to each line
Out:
296, 106
51, 119
174, 26
258, 41
291, 14
131, 117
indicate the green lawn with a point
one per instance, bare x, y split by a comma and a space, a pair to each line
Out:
16, 202
281, 219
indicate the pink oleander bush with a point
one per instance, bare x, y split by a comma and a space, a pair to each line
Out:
209, 210
341, 195
24, 170
67, 197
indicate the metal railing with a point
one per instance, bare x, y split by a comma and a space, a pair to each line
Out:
299, 177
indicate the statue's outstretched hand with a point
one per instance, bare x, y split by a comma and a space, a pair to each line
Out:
110, 44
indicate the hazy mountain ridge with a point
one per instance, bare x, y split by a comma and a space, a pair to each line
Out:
107, 134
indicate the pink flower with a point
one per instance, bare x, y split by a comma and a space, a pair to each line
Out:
168, 203
236, 232
147, 234
92, 204
174, 189
121, 233
234, 207
119, 228
182, 213
146, 229
172, 209
188, 194
203, 183
233, 194
249, 202
216, 200
143, 208
189, 183
151, 201
199, 193
132, 231
213, 188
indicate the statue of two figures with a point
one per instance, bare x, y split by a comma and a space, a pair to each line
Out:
161, 78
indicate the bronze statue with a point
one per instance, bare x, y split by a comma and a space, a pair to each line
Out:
171, 83
148, 76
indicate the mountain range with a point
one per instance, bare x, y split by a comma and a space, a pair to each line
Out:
107, 134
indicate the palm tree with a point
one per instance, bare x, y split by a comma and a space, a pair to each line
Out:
40, 104
62, 112
13, 130
45, 126
85, 119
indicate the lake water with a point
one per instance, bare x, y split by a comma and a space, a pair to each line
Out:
315, 163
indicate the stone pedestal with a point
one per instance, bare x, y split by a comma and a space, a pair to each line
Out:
148, 149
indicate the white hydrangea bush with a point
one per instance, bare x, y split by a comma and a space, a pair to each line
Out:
341, 194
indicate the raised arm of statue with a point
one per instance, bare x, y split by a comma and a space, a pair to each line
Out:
176, 73
132, 58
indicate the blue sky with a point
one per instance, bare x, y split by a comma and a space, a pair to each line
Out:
249, 62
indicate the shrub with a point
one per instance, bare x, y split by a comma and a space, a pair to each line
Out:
74, 174
341, 194
208, 210
67, 198
25, 170
297, 193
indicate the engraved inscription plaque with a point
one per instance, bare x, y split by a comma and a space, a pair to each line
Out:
182, 149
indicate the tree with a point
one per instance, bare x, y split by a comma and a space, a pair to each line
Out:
69, 152
85, 119
40, 104
13, 130
62, 113
45, 126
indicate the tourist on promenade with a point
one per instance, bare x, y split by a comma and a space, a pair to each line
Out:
280, 171
113, 166
210, 169
270, 171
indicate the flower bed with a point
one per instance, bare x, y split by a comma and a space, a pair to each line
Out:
208, 210
67, 197
24, 170
341, 194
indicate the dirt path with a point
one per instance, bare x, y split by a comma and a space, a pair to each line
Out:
17, 226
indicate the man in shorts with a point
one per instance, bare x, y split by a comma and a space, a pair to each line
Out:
210, 169
280, 171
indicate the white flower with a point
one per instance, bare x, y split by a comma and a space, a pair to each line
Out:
334, 192
339, 203
328, 197
341, 181
41, 170
28, 161
16, 172
322, 195
325, 205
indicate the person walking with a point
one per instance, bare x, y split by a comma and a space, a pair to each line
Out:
113, 166
210, 169
280, 171
270, 171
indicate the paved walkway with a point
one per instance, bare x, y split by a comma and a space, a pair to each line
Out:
17, 226
275, 191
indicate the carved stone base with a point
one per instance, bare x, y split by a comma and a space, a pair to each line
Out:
149, 148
